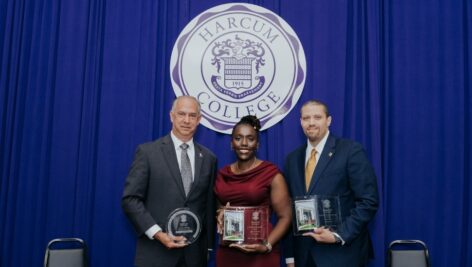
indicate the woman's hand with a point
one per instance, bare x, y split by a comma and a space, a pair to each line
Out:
251, 248
219, 219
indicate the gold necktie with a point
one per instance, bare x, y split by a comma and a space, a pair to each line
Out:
310, 168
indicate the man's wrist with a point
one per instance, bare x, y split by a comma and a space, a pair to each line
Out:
338, 239
151, 232
156, 235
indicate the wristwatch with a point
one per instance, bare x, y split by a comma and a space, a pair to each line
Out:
268, 246
337, 239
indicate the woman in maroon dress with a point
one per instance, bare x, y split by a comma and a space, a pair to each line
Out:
252, 182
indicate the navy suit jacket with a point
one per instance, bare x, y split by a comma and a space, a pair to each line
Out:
343, 170
154, 189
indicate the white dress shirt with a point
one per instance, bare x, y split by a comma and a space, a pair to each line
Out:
319, 148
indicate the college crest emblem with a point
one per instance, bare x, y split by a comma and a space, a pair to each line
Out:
239, 59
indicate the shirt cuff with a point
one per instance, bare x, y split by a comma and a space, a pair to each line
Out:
338, 236
152, 231
289, 260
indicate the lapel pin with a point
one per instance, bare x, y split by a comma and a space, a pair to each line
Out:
201, 155
330, 154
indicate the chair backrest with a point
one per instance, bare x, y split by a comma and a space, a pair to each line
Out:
66, 252
408, 253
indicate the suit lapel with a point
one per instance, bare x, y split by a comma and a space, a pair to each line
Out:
323, 161
300, 183
172, 163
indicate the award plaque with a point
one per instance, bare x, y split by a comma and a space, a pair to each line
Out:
183, 222
306, 217
248, 225
329, 212
316, 211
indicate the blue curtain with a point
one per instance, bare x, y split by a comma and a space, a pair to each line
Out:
426, 126
83, 82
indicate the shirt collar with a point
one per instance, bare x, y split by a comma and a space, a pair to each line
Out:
177, 142
319, 148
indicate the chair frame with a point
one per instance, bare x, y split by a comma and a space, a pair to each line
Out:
65, 240
408, 242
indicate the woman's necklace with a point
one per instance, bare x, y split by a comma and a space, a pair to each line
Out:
251, 167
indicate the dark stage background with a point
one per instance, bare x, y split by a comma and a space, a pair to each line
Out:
83, 82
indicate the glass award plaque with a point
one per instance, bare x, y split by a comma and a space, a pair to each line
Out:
248, 225
316, 211
329, 211
183, 222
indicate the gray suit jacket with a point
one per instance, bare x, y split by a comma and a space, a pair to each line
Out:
154, 189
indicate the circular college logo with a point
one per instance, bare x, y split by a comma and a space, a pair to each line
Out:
238, 60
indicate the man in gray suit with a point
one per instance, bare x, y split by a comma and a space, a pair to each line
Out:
155, 188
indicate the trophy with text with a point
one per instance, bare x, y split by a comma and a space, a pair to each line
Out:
245, 225
184, 222
316, 211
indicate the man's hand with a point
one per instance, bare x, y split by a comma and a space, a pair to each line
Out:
171, 241
322, 235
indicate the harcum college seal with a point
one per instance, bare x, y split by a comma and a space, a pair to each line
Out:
239, 59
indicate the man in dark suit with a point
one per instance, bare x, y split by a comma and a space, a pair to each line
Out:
341, 168
155, 188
